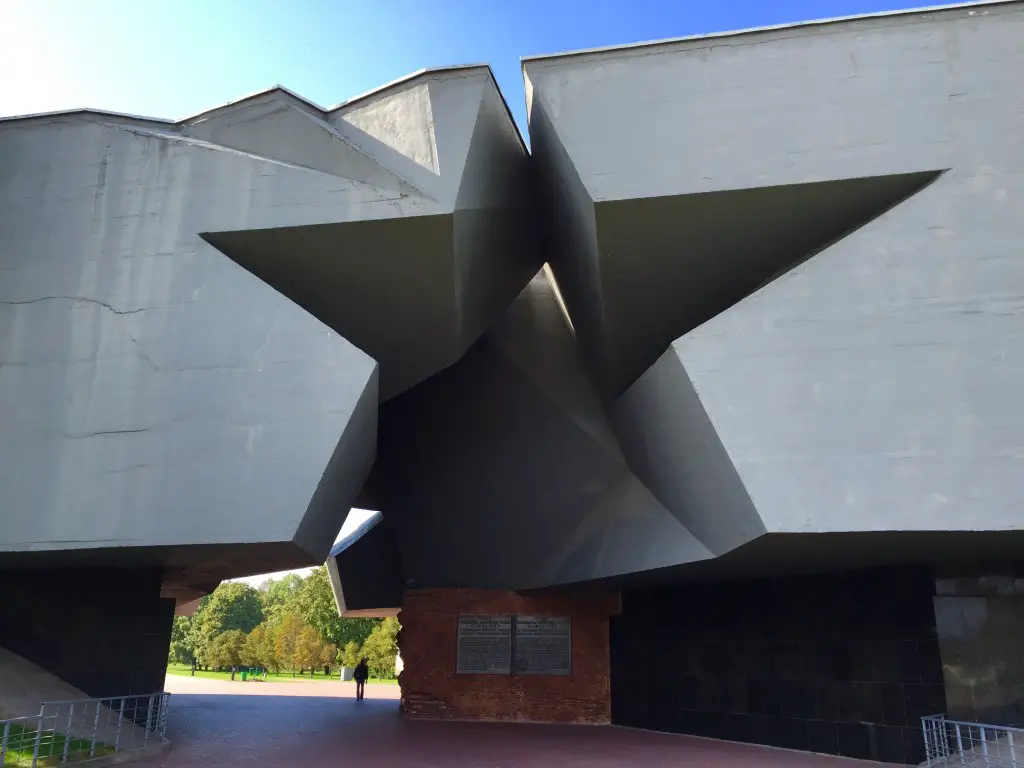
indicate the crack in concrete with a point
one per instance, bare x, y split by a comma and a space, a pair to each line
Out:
108, 432
113, 309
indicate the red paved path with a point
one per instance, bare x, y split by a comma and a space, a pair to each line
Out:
304, 725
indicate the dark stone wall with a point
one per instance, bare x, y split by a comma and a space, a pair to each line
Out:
105, 631
842, 664
979, 613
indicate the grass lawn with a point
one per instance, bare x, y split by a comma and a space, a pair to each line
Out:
21, 743
185, 670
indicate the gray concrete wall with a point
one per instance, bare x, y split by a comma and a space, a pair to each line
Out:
402, 118
877, 95
271, 126
491, 476
875, 386
676, 452
151, 391
570, 230
414, 292
156, 395
495, 235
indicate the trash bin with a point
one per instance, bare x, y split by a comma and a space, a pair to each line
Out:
244, 675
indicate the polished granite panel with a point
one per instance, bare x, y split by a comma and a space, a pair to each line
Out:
103, 630
843, 664
981, 638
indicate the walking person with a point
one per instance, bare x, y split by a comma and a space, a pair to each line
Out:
360, 674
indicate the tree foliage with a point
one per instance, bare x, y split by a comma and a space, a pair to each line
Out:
278, 596
351, 654
314, 602
309, 649
258, 649
232, 605
291, 622
226, 649
181, 650
286, 639
381, 648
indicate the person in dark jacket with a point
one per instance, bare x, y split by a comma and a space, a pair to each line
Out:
361, 673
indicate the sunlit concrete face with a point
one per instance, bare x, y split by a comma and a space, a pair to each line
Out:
198, 319
154, 394
821, 223
780, 301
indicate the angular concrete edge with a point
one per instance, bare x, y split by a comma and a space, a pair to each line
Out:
343, 478
671, 445
368, 561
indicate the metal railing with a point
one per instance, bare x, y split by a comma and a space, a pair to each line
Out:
82, 729
971, 745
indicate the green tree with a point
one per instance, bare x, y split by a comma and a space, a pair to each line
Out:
181, 650
314, 601
381, 648
258, 649
226, 650
197, 640
278, 596
309, 649
286, 638
328, 656
350, 655
232, 605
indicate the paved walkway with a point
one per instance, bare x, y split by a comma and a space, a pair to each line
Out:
305, 725
178, 684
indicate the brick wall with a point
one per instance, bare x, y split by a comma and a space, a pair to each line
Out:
432, 690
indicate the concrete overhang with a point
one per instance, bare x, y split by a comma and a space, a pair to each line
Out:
810, 25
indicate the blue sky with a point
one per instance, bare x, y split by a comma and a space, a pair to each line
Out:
175, 58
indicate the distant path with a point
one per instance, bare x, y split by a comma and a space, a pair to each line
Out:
180, 684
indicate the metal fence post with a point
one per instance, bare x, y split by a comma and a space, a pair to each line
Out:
95, 728
39, 735
165, 702
3, 741
1013, 754
120, 719
67, 734
149, 721
984, 743
959, 743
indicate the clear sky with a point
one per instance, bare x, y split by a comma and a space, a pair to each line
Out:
173, 58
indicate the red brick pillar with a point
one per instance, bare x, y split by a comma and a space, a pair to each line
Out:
431, 689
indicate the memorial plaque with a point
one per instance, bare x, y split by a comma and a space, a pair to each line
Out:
485, 645
543, 645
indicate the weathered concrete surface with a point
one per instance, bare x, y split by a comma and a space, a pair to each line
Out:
151, 392
154, 396
503, 471
874, 386
414, 292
